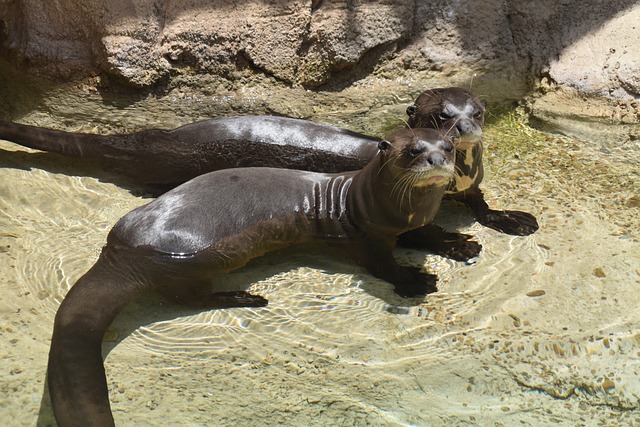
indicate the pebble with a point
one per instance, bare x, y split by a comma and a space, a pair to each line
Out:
536, 293
608, 386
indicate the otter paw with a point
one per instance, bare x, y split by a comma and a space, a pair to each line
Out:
516, 223
413, 282
456, 246
236, 299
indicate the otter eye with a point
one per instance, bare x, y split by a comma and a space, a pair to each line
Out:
444, 116
383, 145
416, 151
449, 147
477, 115
411, 110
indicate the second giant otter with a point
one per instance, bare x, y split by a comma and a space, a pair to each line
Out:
455, 108
183, 243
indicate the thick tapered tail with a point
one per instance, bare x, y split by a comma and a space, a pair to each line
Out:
76, 375
57, 141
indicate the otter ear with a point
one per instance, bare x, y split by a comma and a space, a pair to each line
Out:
383, 145
484, 103
411, 110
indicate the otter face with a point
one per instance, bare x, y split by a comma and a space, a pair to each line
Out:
452, 110
421, 157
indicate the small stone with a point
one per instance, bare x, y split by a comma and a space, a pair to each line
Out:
633, 202
516, 320
599, 272
536, 293
608, 386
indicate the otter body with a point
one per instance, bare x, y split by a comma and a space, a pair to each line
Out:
183, 243
164, 159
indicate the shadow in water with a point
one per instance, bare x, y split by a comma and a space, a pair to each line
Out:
57, 163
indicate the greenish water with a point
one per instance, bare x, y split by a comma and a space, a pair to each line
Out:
540, 330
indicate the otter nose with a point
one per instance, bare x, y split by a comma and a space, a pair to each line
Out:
436, 158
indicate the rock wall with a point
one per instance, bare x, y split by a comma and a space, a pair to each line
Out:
589, 46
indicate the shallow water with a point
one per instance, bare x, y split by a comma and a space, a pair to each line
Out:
539, 330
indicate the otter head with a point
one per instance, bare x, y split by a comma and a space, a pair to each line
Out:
419, 157
452, 110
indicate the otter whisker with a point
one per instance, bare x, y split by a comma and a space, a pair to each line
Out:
383, 165
400, 187
406, 123
397, 187
453, 125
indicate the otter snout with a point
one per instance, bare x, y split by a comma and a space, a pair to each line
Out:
434, 160
437, 159
435, 153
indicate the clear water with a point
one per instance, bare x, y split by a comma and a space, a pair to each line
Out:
540, 330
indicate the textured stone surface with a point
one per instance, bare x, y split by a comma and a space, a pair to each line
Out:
546, 45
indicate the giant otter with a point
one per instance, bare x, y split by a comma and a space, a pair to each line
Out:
183, 243
455, 108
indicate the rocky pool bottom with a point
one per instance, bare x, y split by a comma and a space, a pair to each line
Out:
539, 330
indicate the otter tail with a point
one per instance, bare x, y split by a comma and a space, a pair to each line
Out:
76, 375
66, 143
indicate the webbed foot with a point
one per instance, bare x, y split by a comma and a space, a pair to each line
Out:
516, 223
219, 300
456, 246
236, 299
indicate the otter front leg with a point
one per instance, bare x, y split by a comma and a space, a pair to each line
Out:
516, 223
378, 259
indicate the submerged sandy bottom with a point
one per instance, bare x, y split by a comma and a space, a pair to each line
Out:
540, 330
